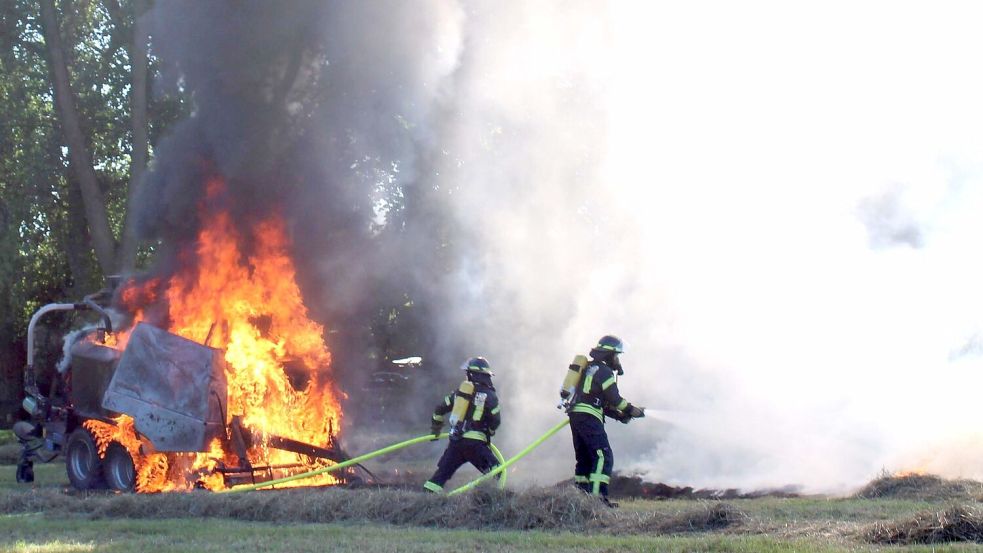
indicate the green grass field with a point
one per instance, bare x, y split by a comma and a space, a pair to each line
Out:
45, 517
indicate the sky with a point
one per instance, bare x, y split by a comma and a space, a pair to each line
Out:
775, 204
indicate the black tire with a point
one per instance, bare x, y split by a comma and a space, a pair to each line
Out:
118, 468
82, 461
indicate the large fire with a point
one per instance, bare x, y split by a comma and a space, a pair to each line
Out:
277, 363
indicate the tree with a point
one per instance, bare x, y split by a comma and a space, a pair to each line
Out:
74, 110
113, 256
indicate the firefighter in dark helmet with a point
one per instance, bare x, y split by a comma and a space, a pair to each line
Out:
596, 396
473, 414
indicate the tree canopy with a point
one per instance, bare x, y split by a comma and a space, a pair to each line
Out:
80, 122
47, 246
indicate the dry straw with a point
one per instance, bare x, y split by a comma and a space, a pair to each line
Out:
924, 487
554, 509
955, 523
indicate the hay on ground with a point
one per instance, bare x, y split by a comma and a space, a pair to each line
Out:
540, 508
956, 523
635, 487
556, 509
707, 516
924, 487
712, 516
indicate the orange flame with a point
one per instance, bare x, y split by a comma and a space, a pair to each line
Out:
251, 307
908, 473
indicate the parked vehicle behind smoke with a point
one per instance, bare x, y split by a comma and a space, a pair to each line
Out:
389, 393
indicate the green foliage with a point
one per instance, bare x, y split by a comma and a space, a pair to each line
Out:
45, 253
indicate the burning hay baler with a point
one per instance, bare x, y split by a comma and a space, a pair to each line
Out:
173, 389
144, 416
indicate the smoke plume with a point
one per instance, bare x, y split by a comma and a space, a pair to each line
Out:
718, 185
705, 186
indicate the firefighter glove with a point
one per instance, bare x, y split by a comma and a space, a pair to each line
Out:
435, 428
634, 412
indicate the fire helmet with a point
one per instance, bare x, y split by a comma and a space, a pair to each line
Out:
610, 343
478, 365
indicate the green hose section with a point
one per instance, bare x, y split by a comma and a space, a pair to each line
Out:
501, 461
509, 463
339, 466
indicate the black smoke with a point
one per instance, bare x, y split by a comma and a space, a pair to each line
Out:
324, 112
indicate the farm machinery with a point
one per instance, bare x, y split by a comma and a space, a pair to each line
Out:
148, 413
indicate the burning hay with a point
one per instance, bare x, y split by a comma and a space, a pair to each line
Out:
925, 487
222, 376
560, 509
953, 524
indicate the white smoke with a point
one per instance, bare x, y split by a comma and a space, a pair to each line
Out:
719, 185
775, 204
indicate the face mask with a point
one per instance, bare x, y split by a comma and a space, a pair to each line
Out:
616, 365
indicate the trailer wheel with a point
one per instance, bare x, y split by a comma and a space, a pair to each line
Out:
82, 461
118, 468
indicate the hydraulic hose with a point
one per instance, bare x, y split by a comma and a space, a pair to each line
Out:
339, 466
502, 467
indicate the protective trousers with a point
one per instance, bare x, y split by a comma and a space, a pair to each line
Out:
458, 452
594, 456
32, 445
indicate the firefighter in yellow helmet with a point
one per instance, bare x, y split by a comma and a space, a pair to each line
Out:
595, 397
474, 417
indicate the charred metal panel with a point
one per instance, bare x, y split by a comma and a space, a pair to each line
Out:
92, 369
174, 389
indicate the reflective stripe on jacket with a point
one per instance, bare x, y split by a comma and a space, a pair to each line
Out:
598, 391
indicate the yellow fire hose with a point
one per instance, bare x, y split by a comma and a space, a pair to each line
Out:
359, 459
503, 466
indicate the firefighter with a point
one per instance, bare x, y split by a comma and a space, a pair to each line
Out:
597, 396
474, 417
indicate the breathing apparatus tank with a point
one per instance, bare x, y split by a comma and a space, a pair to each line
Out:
462, 400
569, 387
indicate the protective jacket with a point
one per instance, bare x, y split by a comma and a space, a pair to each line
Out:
482, 417
469, 438
597, 393
596, 396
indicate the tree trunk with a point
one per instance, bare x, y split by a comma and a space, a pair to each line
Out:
75, 242
138, 120
11, 365
81, 161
